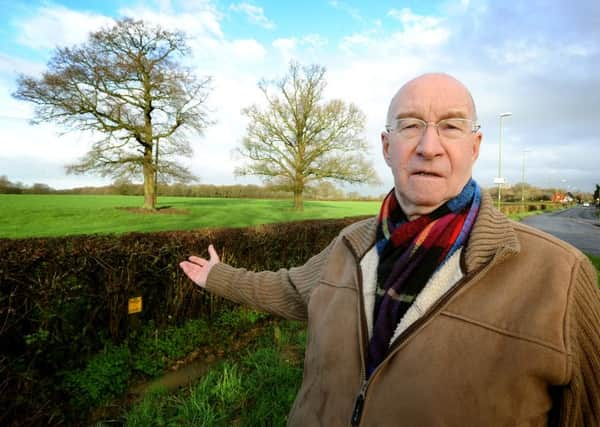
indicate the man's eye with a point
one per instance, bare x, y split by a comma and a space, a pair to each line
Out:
451, 126
408, 125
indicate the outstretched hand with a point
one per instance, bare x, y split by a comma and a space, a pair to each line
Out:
197, 268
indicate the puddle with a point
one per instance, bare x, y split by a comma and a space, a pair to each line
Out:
172, 380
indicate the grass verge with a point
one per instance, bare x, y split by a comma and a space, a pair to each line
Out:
596, 262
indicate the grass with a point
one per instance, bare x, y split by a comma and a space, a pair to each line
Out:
145, 355
596, 262
25, 215
256, 388
101, 384
520, 215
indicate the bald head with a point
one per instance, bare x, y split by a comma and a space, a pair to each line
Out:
431, 85
429, 170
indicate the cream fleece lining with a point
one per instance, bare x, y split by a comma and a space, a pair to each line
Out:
440, 282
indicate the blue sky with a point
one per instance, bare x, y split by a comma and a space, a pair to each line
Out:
537, 59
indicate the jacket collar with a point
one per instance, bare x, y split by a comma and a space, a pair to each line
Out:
492, 237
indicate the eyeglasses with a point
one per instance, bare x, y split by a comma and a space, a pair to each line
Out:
411, 129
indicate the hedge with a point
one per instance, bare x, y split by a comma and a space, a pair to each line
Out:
61, 299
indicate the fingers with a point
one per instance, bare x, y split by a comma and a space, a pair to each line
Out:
214, 257
186, 267
190, 269
197, 260
196, 273
212, 254
197, 268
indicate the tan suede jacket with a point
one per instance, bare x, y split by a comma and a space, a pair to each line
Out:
515, 342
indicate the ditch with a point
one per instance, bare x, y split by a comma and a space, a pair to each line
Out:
217, 384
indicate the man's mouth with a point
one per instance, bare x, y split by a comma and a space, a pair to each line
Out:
427, 173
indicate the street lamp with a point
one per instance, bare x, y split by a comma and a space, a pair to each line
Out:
500, 180
523, 179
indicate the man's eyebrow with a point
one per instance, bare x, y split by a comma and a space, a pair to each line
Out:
406, 114
460, 114
456, 113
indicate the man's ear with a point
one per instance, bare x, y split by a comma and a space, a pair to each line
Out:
476, 145
385, 147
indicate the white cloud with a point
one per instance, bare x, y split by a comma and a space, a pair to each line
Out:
417, 33
212, 52
419, 30
58, 26
517, 52
408, 18
11, 65
10, 68
255, 14
285, 43
199, 19
294, 47
43, 141
315, 41
538, 54
285, 46
356, 42
351, 11
248, 50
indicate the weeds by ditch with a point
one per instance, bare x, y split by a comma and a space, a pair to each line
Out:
254, 388
255, 370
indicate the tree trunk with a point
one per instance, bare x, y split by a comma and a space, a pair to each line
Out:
298, 190
149, 190
155, 174
298, 200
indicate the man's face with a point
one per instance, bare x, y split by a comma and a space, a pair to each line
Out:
430, 170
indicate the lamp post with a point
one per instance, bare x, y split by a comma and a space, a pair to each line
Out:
523, 179
500, 180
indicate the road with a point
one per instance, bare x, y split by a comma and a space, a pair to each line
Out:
579, 226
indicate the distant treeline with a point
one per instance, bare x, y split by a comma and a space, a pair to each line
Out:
323, 191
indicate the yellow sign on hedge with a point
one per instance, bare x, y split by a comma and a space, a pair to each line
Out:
135, 305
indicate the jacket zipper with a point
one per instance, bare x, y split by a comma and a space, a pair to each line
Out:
359, 403
362, 331
361, 396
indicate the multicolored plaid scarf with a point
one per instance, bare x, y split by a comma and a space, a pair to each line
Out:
409, 253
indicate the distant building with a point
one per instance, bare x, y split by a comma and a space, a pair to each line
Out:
559, 197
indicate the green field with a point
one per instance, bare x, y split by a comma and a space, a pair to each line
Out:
24, 215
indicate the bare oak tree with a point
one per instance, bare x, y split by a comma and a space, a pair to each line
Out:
127, 86
299, 139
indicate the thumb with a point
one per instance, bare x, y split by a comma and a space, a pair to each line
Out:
214, 257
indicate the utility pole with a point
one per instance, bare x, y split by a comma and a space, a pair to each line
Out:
524, 155
500, 180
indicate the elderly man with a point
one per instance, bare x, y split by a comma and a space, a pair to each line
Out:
440, 311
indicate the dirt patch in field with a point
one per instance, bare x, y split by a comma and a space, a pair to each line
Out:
164, 210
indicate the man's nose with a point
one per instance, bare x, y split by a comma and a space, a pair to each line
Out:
430, 144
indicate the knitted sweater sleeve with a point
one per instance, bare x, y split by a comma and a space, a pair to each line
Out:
284, 292
580, 400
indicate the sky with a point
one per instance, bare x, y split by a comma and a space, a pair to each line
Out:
538, 60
